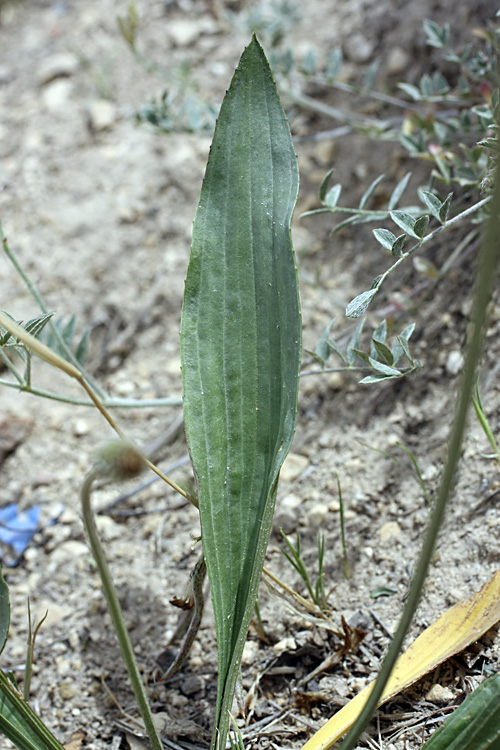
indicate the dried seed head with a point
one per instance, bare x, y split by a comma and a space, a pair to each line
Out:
119, 460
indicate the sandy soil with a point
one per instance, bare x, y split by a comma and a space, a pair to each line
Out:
99, 212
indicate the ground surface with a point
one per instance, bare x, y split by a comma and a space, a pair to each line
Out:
99, 212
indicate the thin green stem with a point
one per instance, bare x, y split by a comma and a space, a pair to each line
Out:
130, 403
485, 280
347, 572
28, 668
13, 369
468, 211
109, 403
334, 369
116, 612
27, 374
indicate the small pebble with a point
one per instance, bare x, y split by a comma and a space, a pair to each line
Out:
358, 48
454, 363
125, 388
293, 467
440, 694
102, 115
397, 61
250, 651
286, 644
107, 528
191, 684
68, 690
56, 96
318, 513
80, 428
389, 530
183, 32
287, 514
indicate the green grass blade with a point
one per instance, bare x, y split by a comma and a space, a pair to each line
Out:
4, 612
475, 725
240, 348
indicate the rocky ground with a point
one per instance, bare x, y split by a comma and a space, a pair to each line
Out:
99, 211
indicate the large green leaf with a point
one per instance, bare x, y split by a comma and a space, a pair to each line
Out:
240, 348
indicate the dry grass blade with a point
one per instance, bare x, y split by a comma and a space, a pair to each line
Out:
456, 629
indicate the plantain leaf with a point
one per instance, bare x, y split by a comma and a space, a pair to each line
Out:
475, 725
240, 349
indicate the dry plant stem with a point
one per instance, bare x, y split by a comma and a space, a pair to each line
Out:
485, 280
194, 621
116, 612
58, 362
309, 606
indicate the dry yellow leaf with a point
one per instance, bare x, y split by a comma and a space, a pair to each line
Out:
456, 629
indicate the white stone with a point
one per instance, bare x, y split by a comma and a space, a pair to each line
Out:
107, 528
358, 48
440, 694
454, 363
80, 428
250, 651
293, 467
318, 514
56, 96
183, 32
397, 61
389, 530
286, 644
68, 690
102, 115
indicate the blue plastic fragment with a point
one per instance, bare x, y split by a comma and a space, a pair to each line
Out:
17, 529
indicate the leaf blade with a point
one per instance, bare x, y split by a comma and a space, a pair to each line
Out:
240, 348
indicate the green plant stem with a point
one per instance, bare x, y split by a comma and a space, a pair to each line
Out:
116, 611
483, 421
334, 369
485, 280
13, 369
427, 238
431, 235
347, 572
109, 403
